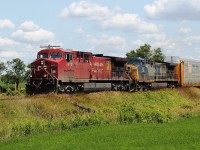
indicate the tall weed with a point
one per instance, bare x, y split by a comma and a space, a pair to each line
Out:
25, 115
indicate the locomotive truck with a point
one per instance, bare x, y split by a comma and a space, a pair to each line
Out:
69, 71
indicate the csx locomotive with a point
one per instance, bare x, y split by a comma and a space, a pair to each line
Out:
70, 71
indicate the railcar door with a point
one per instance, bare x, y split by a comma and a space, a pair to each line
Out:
69, 71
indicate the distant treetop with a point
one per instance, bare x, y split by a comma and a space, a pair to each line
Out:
145, 51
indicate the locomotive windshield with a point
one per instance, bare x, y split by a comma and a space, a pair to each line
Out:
135, 61
43, 55
56, 55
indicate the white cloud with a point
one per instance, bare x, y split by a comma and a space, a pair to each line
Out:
39, 35
117, 8
154, 36
24, 42
108, 40
86, 10
166, 45
174, 9
7, 42
32, 33
107, 18
26, 52
9, 54
192, 39
129, 22
79, 30
64, 13
29, 26
169, 46
184, 30
108, 45
137, 43
6, 24
142, 31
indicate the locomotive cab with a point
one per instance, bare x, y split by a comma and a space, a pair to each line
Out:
140, 69
47, 63
45, 71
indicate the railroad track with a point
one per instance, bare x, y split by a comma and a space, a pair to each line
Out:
11, 98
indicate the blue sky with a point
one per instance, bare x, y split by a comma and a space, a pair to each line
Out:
111, 27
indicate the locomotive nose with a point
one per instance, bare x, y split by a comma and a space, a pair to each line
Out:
43, 69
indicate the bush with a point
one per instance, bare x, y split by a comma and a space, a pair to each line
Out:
22, 90
126, 115
10, 92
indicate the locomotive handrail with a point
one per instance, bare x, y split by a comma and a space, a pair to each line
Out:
30, 74
52, 75
128, 75
38, 84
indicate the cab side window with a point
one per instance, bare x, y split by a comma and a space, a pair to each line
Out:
68, 57
86, 57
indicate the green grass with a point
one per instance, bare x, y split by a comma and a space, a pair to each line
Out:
26, 115
183, 134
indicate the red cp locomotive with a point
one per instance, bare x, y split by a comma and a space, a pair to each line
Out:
69, 71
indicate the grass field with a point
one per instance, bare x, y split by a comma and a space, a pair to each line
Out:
25, 115
182, 134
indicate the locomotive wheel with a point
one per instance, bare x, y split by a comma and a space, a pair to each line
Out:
170, 85
69, 89
133, 89
114, 87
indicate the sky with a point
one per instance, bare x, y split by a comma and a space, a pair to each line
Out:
111, 27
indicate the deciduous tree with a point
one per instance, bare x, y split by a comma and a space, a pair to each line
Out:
15, 71
145, 51
2, 67
157, 55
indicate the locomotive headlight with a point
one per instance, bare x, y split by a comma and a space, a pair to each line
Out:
45, 75
31, 76
42, 62
53, 70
